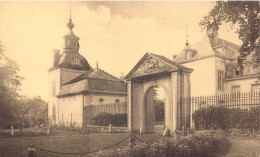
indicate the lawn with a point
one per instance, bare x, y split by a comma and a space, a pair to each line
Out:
65, 142
75, 142
244, 147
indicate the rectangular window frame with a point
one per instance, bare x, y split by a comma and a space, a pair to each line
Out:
220, 79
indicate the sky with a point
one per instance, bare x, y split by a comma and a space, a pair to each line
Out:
116, 34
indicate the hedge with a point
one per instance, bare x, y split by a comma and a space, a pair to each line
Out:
104, 119
198, 145
225, 118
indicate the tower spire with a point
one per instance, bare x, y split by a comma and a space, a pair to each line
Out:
187, 42
71, 40
70, 24
70, 9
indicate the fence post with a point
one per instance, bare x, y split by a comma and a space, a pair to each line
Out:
48, 130
166, 132
109, 128
31, 152
12, 130
184, 131
141, 129
131, 142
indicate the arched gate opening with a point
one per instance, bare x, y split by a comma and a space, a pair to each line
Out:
154, 73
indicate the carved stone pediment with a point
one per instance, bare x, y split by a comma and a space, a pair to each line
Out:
151, 65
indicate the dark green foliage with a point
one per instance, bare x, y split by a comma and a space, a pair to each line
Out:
198, 145
245, 15
224, 118
10, 82
104, 119
159, 110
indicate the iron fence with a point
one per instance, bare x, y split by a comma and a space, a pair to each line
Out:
229, 111
245, 100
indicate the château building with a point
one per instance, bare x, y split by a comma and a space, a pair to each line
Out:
78, 92
216, 68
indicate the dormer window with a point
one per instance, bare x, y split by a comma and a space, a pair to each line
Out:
188, 55
237, 73
75, 60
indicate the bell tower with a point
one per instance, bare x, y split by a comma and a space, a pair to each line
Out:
71, 40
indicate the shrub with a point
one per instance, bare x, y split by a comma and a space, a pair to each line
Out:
104, 119
225, 118
201, 144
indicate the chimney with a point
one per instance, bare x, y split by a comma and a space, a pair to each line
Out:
212, 32
56, 55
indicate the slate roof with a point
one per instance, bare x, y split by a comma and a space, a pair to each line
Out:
66, 60
94, 81
208, 47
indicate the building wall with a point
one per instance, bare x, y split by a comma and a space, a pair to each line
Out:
71, 110
203, 77
53, 90
56, 78
93, 106
108, 99
244, 84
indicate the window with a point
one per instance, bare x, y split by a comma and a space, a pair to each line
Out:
117, 101
75, 60
235, 89
53, 113
237, 72
220, 80
224, 50
53, 88
188, 55
255, 87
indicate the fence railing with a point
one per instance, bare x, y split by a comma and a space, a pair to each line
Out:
245, 100
242, 107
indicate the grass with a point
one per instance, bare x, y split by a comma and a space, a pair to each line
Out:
75, 141
244, 147
68, 142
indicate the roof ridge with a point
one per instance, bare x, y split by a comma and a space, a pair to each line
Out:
100, 70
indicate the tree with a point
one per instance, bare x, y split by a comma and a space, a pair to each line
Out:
31, 111
159, 110
10, 82
244, 14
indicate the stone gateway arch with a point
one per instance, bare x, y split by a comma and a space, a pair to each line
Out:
152, 71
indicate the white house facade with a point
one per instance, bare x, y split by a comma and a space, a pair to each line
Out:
216, 68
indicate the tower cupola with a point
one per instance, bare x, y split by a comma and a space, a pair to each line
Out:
71, 40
